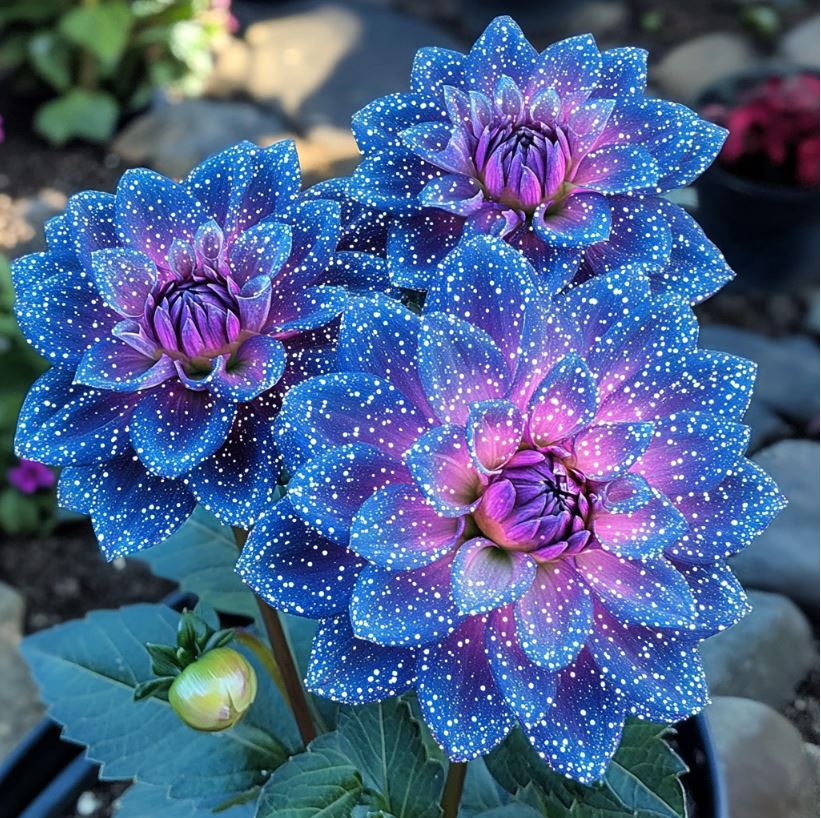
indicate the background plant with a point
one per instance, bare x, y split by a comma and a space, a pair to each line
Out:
94, 60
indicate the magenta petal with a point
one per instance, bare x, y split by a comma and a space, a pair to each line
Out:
494, 432
397, 528
255, 367
486, 576
254, 303
124, 279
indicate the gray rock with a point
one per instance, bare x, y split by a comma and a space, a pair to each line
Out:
787, 380
800, 44
22, 221
20, 707
323, 61
696, 64
809, 792
173, 137
785, 558
763, 757
765, 425
764, 656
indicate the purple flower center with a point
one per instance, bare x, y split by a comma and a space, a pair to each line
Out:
537, 504
521, 165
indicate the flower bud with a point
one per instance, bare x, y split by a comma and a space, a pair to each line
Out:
214, 692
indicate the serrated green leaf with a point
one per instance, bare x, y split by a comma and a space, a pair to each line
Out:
88, 670
201, 557
90, 115
103, 29
141, 800
319, 782
385, 743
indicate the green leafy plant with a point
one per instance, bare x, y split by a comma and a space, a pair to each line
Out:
99, 59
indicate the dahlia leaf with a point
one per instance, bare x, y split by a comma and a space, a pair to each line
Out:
88, 670
143, 799
320, 781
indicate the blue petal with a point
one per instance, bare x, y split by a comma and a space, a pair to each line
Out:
459, 697
563, 403
702, 380
344, 407
62, 423
315, 232
442, 468
698, 152
131, 508
152, 211
553, 618
691, 451
581, 730
328, 491
358, 272
485, 576
59, 309
418, 243
390, 181
583, 219
646, 592
294, 568
459, 364
696, 269
86, 226
253, 369
353, 671
486, 282
124, 279
455, 193
405, 608
617, 169
607, 450
116, 366
571, 66
434, 68
528, 689
380, 336
659, 673
174, 428
494, 432
238, 482
260, 251
378, 125
501, 49
396, 528
728, 517
307, 309
623, 72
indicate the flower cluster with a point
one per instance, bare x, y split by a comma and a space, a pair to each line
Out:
519, 501
175, 315
520, 507
558, 152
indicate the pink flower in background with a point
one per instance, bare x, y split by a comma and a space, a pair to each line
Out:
29, 476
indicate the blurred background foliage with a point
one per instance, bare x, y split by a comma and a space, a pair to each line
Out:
94, 60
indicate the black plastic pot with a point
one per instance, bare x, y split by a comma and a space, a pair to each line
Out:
768, 233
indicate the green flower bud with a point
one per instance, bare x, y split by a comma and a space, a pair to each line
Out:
214, 692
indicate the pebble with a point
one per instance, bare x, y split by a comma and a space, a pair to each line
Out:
767, 769
785, 558
690, 68
175, 136
764, 656
787, 380
323, 61
800, 44
22, 221
20, 707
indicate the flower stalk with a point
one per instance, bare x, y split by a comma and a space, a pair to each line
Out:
454, 784
294, 691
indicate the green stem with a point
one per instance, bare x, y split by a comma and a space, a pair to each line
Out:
452, 794
294, 691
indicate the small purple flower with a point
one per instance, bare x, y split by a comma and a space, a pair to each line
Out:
176, 315
29, 476
520, 507
558, 152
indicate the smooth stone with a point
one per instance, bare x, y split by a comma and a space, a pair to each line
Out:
690, 68
800, 44
327, 151
785, 558
765, 764
173, 137
323, 61
20, 707
22, 221
764, 656
810, 791
765, 426
787, 379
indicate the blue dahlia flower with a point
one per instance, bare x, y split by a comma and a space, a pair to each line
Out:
558, 152
520, 507
175, 315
